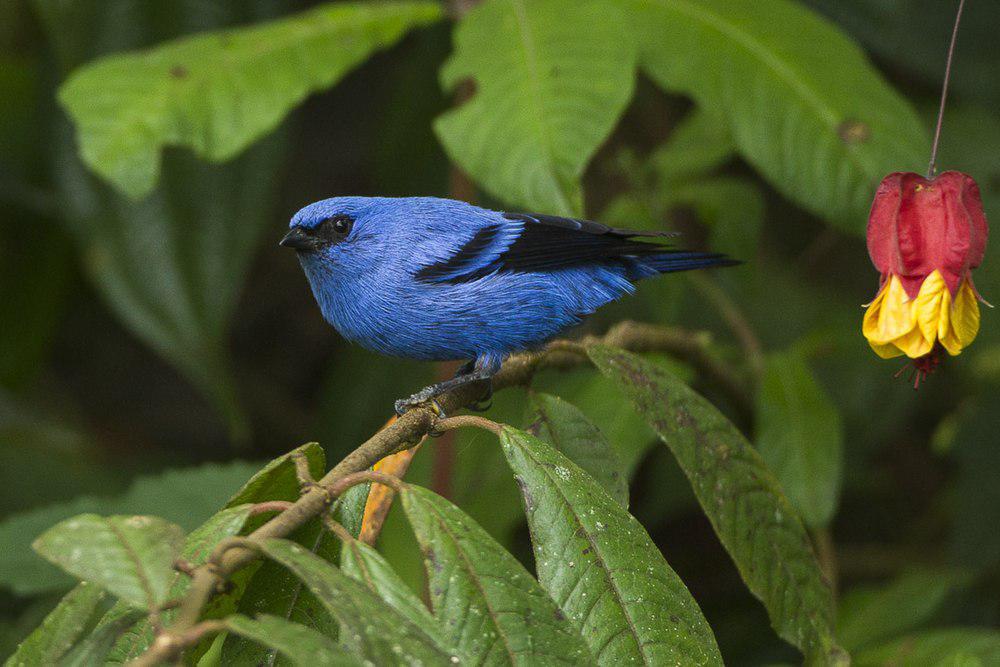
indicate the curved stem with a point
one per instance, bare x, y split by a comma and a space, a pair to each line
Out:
932, 167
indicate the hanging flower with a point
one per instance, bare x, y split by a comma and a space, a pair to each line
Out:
925, 236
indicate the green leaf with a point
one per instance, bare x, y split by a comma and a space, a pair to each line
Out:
732, 208
277, 480
197, 548
60, 629
351, 507
274, 590
601, 567
952, 646
362, 562
302, 645
803, 104
172, 266
95, 649
800, 437
543, 103
882, 613
186, 497
563, 426
699, 144
130, 556
216, 93
492, 608
595, 396
373, 630
754, 520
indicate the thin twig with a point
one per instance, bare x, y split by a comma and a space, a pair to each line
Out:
932, 167
270, 506
461, 421
733, 316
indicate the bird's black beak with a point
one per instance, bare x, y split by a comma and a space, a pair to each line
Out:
299, 239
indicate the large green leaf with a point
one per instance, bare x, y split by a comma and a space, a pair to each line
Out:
563, 426
303, 646
595, 397
601, 567
804, 105
277, 480
374, 631
130, 556
543, 103
60, 629
700, 143
952, 647
197, 548
368, 566
94, 649
172, 266
186, 497
799, 436
881, 613
218, 92
916, 40
754, 520
492, 608
275, 591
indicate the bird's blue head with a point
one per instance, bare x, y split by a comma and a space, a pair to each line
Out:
319, 228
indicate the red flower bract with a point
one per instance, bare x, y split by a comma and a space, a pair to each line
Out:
918, 225
925, 236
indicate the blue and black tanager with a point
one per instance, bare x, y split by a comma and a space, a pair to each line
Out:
438, 279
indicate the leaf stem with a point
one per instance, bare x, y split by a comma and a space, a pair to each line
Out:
932, 167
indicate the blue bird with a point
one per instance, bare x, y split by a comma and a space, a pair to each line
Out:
438, 279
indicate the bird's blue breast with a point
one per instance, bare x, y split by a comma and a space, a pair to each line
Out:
392, 313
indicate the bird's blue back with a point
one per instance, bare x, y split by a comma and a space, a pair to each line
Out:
438, 279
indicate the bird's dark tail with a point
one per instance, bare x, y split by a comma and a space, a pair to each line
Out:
670, 262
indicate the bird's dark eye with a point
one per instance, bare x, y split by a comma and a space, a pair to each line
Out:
341, 224
337, 227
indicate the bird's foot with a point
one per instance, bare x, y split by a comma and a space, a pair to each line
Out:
485, 402
419, 400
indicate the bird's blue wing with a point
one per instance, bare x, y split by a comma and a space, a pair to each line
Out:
519, 242
477, 256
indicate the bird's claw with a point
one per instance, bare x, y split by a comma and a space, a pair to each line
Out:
404, 405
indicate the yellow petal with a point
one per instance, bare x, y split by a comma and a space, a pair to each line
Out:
890, 316
964, 320
887, 351
913, 344
932, 307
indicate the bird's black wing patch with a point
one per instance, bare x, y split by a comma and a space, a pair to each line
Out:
456, 268
545, 242
551, 242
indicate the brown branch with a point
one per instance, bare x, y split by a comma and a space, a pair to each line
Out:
235, 553
692, 347
270, 506
380, 497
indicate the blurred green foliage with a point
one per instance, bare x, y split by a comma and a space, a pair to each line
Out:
148, 323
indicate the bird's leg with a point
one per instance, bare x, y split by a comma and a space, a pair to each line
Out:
481, 369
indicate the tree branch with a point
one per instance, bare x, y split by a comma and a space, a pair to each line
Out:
402, 434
